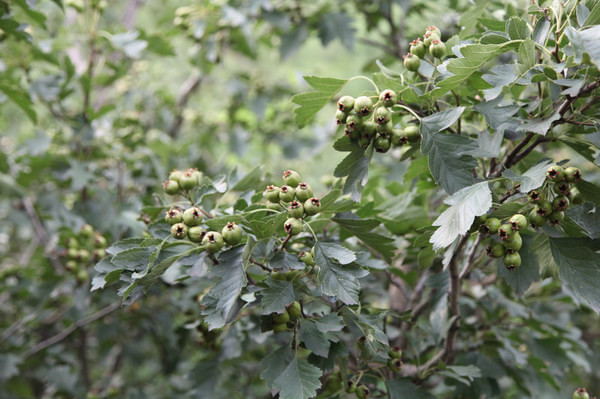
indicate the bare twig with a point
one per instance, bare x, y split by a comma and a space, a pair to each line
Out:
470, 258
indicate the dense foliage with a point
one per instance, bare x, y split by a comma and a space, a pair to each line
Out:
426, 228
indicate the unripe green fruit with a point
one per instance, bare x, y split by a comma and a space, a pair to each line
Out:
293, 226
505, 232
555, 173
294, 310
71, 265
492, 225
232, 233
351, 388
296, 210
572, 174
383, 144
286, 193
388, 97
277, 328
173, 216
556, 217
171, 187
518, 222
345, 104
384, 130
534, 196
412, 133
495, 250
213, 241
369, 128
514, 244
411, 62
364, 140
281, 318
99, 241
98, 253
197, 175
581, 393
362, 392
562, 188
340, 117
84, 255
395, 352
272, 193
82, 275
72, 242
306, 257
353, 123
398, 138
395, 365
192, 216
179, 231
291, 178
188, 180
575, 196
382, 115
73, 253
175, 175
196, 234
512, 260
312, 206
543, 208
303, 192
560, 203
434, 29
437, 49
536, 220
86, 231
417, 48
363, 105
429, 37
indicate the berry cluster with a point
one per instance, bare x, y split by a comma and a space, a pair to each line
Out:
280, 322
81, 248
180, 182
432, 43
581, 393
367, 122
296, 198
549, 204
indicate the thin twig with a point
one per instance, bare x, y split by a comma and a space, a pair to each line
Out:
189, 87
470, 258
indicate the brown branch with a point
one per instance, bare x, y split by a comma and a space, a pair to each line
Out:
83, 358
188, 88
470, 258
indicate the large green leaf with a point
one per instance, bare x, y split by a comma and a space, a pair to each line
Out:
361, 229
299, 380
531, 179
579, 268
277, 296
403, 388
310, 103
356, 167
315, 340
465, 204
586, 216
339, 281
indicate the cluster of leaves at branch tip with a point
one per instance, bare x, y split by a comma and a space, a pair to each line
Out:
81, 250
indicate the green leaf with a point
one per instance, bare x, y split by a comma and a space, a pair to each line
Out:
222, 297
531, 179
341, 254
541, 31
403, 388
589, 191
586, 216
488, 146
315, 340
336, 25
310, 103
527, 53
273, 365
539, 125
356, 167
517, 28
497, 115
579, 268
9, 366
464, 374
506, 210
21, 99
360, 228
133, 258
594, 16
336, 280
465, 204
277, 296
299, 380
521, 278
330, 322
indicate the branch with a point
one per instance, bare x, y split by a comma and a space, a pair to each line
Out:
470, 258
188, 88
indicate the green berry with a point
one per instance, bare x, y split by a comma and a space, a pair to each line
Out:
560, 203
555, 173
73, 253
173, 216
383, 144
71, 265
272, 193
175, 175
340, 117
575, 196
417, 48
99, 241
363, 106
213, 241
86, 231
281, 318
286, 193
192, 216
98, 253
543, 208
197, 174
171, 187
429, 37
362, 392
364, 140
437, 49
505, 232
411, 62
512, 260
382, 115
353, 123
293, 226
345, 104
491, 225
562, 188
295, 310
312, 206
232, 233
412, 133
179, 231
196, 233
188, 180
277, 328
388, 97
534, 196
398, 138
307, 258
434, 29
395, 352
84, 255
395, 365
351, 388
303, 192
572, 174
291, 178
296, 209
514, 244
556, 217
385, 129
581, 393
536, 220
518, 222
495, 250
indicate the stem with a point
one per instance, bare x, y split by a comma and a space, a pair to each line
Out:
470, 258
367, 79
409, 109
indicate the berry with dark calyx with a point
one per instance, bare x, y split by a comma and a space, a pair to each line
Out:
296, 209
196, 234
303, 192
99, 241
429, 37
232, 233
383, 144
495, 250
272, 193
388, 97
581, 393
518, 221
364, 140
491, 225
345, 104
362, 391
412, 133
188, 181
281, 318
175, 175
434, 29
353, 122
562, 188
293, 226
514, 244
411, 62
534, 196
560, 203
382, 115
179, 231
369, 127
173, 216
556, 217
572, 174
398, 138
395, 365
295, 310
555, 173
98, 253
575, 196
213, 241
312, 206
543, 208
291, 178
353, 135
351, 387
277, 328
437, 49
395, 352
385, 129
512, 260
505, 232
171, 187
306, 257
192, 216
536, 220
340, 117
417, 48
286, 193
363, 106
